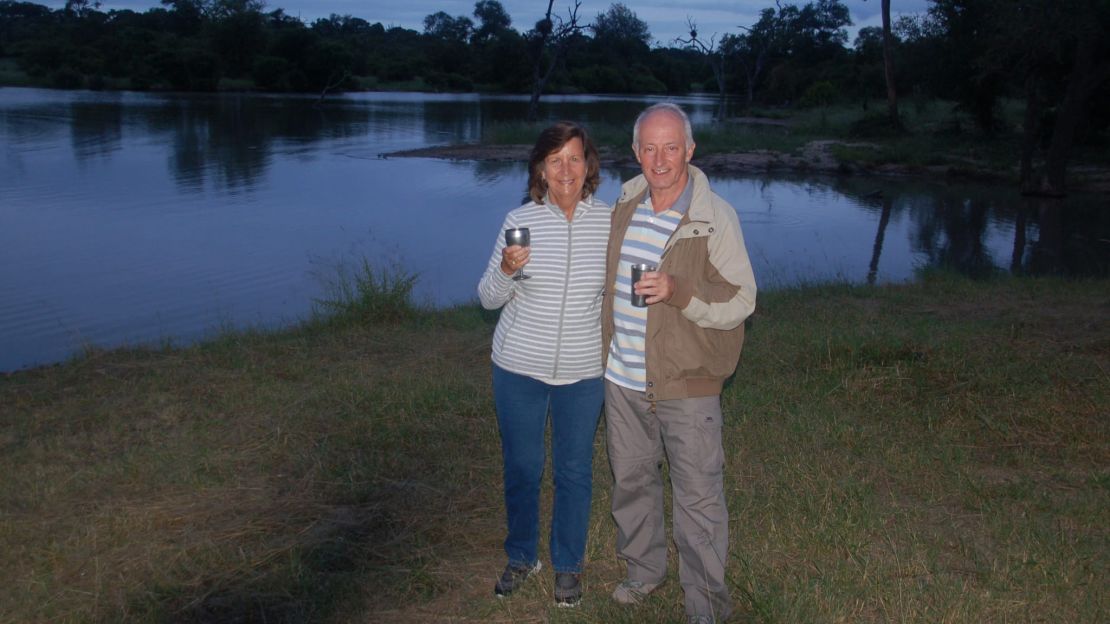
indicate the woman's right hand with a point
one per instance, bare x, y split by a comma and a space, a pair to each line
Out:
513, 258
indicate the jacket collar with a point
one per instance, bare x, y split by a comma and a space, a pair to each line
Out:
697, 184
582, 207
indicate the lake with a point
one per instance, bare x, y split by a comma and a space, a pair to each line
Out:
133, 218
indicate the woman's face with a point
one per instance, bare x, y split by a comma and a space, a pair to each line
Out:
564, 170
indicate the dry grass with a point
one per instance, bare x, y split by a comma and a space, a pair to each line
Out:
928, 453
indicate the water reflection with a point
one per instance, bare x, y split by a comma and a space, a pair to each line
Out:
97, 130
880, 233
1069, 239
137, 217
979, 230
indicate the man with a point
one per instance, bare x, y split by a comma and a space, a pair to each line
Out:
666, 363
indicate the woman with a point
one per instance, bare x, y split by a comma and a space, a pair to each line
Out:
547, 354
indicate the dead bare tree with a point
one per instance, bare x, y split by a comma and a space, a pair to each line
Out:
334, 82
550, 39
888, 67
716, 55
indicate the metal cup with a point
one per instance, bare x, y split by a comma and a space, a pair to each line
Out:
638, 270
522, 237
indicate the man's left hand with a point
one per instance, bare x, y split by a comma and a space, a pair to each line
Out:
658, 286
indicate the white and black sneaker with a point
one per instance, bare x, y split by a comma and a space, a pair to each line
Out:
568, 589
512, 577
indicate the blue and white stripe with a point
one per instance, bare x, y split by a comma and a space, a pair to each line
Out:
643, 243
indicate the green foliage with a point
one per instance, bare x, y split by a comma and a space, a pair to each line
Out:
67, 78
369, 296
874, 126
821, 94
272, 73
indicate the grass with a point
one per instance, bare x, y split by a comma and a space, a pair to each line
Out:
934, 452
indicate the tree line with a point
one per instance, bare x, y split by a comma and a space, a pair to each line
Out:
1054, 55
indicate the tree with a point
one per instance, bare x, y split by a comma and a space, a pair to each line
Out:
187, 16
500, 54
716, 54
549, 42
617, 58
888, 67
753, 50
1058, 52
622, 27
493, 19
442, 26
82, 8
958, 70
239, 33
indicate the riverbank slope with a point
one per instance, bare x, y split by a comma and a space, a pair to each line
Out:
935, 451
819, 156
805, 141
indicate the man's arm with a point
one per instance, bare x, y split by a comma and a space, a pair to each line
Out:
724, 301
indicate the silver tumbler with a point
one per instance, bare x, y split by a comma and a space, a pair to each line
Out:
638, 270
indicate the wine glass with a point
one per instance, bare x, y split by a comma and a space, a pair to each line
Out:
518, 236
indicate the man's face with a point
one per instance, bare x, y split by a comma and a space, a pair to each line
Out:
662, 152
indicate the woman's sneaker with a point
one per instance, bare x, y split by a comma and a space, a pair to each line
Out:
512, 577
568, 589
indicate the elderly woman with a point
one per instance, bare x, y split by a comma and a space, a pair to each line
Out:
547, 354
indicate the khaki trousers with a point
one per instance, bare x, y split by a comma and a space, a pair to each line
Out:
640, 433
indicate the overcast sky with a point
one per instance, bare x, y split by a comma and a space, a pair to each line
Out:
666, 18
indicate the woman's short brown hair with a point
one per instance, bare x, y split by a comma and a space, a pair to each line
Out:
552, 139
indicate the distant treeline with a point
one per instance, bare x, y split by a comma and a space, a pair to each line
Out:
975, 52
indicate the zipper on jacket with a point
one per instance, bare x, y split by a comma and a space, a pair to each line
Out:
563, 305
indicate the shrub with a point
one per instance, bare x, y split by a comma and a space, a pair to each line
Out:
368, 296
821, 93
67, 78
271, 73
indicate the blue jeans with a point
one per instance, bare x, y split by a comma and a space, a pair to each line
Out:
522, 405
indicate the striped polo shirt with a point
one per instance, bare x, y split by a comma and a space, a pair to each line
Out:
550, 325
643, 243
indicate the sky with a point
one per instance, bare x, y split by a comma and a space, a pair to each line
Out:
665, 18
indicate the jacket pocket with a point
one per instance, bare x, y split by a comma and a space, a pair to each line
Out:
508, 316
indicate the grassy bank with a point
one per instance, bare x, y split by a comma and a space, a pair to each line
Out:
930, 452
936, 134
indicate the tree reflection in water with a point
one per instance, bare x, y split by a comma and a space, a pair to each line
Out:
949, 228
877, 248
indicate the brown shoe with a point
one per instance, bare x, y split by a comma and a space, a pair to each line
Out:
631, 592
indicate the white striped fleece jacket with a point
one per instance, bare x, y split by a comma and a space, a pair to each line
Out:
550, 327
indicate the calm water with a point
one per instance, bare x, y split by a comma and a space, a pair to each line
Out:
134, 218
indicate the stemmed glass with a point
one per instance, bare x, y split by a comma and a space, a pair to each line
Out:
518, 236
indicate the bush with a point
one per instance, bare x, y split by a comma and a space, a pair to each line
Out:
599, 79
271, 73
821, 93
368, 296
645, 83
189, 69
875, 126
449, 81
67, 78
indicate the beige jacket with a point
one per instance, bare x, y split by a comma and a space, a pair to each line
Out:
694, 339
